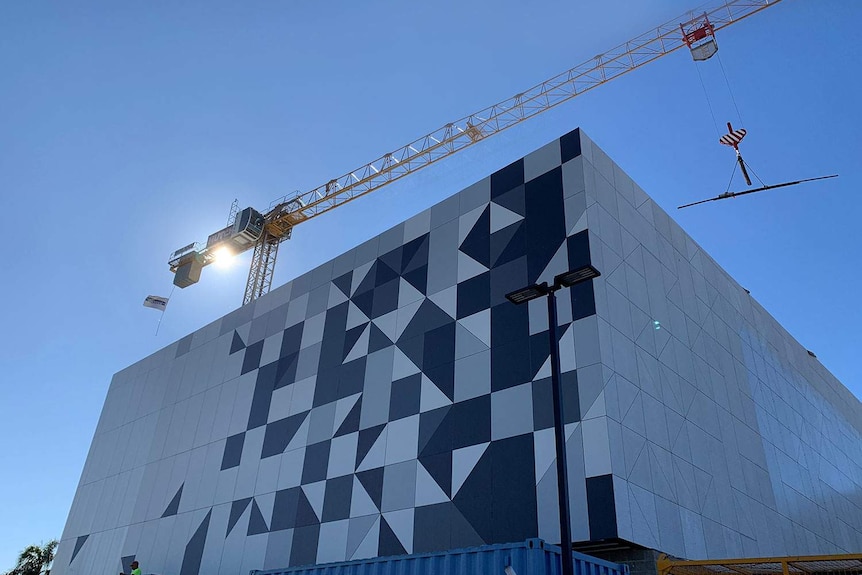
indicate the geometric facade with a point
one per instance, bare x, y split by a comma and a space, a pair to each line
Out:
392, 401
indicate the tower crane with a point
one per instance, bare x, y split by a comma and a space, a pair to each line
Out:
263, 232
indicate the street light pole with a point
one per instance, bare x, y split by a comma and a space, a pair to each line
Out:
567, 279
568, 567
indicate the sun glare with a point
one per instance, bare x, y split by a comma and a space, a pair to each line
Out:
224, 258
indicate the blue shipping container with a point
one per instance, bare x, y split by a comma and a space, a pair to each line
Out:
532, 557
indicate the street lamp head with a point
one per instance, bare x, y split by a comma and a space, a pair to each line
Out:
576, 276
530, 292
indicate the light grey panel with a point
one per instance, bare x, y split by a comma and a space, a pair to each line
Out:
573, 177
302, 398
390, 239
271, 348
306, 365
290, 472
586, 338
403, 439
475, 195
378, 384
442, 267
318, 300
367, 251
280, 402
575, 457
209, 410
242, 402
312, 331
321, 421
332, 544
248, 466
206, 491
512, 411
267, 475
278, 549
399, 486
342, 454
180, 535
225, 486
597, 455
254, 552
444, 211
473, 374
542, 160
296, 310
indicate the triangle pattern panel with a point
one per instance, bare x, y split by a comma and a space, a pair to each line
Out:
174, 505
347, 415
256, 523
389, 544
367, 439
514, 200
463, 462
315, 493
372, 482
508, 244
447, 300
431, 397
401, 523
360, 348
361, 502
358, 529
79, 543
237, 344
236, 510
428, 491
369, 547
502, 217
343, 283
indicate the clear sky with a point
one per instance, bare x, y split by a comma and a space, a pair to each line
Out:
127, 129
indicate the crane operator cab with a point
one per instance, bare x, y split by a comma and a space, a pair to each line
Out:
187, 262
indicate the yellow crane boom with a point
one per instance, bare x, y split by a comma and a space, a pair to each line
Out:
264, 232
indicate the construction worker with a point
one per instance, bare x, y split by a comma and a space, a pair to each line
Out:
136, 569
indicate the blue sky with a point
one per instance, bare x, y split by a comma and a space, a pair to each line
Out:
127, 129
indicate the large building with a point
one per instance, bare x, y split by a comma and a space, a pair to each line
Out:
393, 401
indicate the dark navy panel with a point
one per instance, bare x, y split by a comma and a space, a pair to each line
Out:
351, 421
404, 397
578, 247
510, 364
366, 440
236, 510
434, 437
236, 344
372, 481
351, 377
343, 282
256, 523
251, 359
388, 542
477, 244
507, 178
510, 323
291, 340
439, 467
174, 505
543, 405
509, 244
284, 509
513, 511
583, 300
334, 328
232, 451
195, 548
474, 500
79, 542
545, 221
474, 295
601, 507
470, 421
303, 550
513, 200
279, 434
316, 462
570, 145
439, 346
431, 528
336, 501
263, 388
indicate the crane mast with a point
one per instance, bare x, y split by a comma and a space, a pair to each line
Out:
284, 213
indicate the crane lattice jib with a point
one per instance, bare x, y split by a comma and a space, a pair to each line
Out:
290, 210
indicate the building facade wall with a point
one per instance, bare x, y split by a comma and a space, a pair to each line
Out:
392, 401
727, 437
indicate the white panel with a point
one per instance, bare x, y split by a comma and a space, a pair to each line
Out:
597, 455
